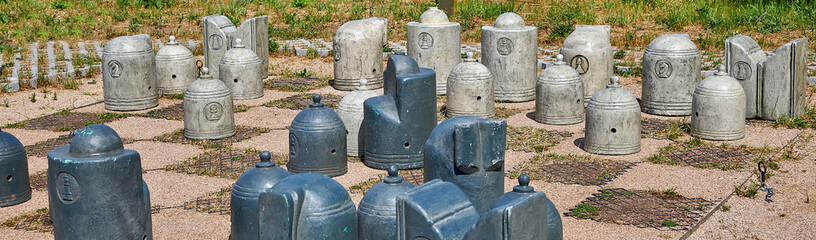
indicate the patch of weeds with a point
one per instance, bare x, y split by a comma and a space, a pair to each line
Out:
387, 48
213, 145
670, 191
619, 54
5, 104
273, 47
179, 96
312, 53
584, 211
530, 139
70, 84
60, 5
241, 108
749, 191
110, 116
33, 97
668, 223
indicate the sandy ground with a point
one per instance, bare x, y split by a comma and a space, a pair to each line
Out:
790, 216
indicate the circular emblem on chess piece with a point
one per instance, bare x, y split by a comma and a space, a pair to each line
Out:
580, 63
67, 188
741, 70
115, 68
663, 69
216, 42
504, 46
425, 40
213, 111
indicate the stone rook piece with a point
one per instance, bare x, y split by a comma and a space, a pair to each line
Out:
350, 109
358, 53
783, 81
129, 74
671, 71
509, 50
244, 202
559, 95
589, 51
377, 213
16, 188
612, 122
469, 152
434, 43
717, 112
520, 214
471, 90
317, 141
742, 58
398, 123
175, 68
436, 210
220, 35
208, 112
307, 206
241, 71
95, 188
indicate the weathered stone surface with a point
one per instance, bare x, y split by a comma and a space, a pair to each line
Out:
470, 90
350, 109
175, 68
783, 81
241, 71
357, 53
509, 51
671, 71
95, 188
220, 35
717, 112
34, 49
377, 212
129, 74
434, 43
317, 141
559, 95
742, 58
244, 199
16, 188
208, 109
423, 214
589, 51
612, 121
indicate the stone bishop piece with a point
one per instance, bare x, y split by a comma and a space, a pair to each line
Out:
434, 43
398, 123
509, 50
129, 74
95, 188
358, 52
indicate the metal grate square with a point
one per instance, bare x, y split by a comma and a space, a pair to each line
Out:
531, 139
302, 101
571, 169
226, 163
174, 112
295, 84
710, 157
241, 133
215, 202
413, 176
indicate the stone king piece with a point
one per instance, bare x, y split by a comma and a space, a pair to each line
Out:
509, 50
434, 43
95, 188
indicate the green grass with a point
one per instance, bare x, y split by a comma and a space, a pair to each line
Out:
747, 191
585, 211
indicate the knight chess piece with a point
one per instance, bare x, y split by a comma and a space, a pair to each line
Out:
358, 47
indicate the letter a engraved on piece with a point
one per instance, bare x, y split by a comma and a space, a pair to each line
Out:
216, 42
115, 68
425, 40
213, 111
663, 69
742, 70
504, 46
580, 63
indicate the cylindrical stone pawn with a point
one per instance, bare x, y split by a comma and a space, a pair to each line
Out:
559, 95
509, 50
95, 188
15, 187
612, 122
470, 90
377, 213
244, 199
357, 50
671, 71
317, 141
208, 110
718, 111
175, 68
434, 43
240, 69
589, 51
129, 74
350, 110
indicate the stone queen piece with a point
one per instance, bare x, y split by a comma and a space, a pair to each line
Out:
95, 188
358, 53
612, 121
434, 43
129, 74
671, 71
175, 68
208, 110
718, 111
509, 50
